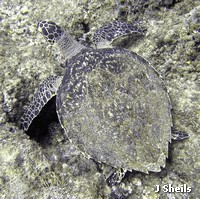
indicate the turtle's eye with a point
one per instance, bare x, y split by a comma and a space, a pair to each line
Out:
50, 30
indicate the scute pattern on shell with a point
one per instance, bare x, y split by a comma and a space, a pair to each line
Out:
114, 106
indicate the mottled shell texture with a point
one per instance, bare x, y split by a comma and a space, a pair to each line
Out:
114, 107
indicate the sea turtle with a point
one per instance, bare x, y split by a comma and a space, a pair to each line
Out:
111, 103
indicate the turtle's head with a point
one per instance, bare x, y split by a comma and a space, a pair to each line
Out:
54, 33
50, 30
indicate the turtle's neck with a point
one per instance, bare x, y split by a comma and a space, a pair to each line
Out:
69, 46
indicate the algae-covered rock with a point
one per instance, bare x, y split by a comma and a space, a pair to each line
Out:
57, 169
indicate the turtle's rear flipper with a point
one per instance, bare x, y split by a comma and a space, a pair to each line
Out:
116, 177
116, 33
179, 135
45, 92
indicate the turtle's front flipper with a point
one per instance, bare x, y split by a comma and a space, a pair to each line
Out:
45, 92
179, 135
113, 34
